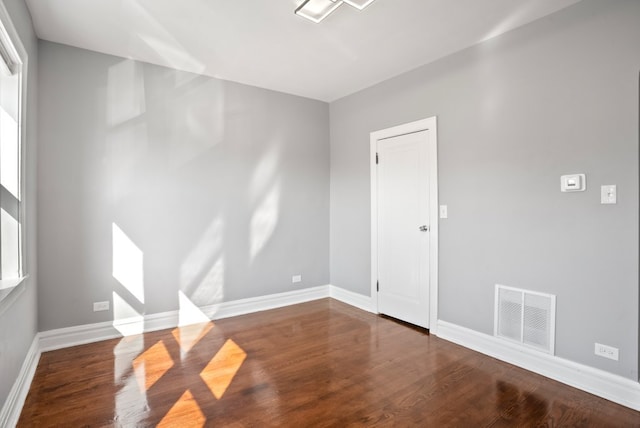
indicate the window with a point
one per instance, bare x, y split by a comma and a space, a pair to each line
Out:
12, 68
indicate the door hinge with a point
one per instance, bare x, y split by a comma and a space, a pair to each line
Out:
377, 285
376, 158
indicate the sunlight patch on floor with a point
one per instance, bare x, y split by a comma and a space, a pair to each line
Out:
223, 367
130, 400
151, 365
185, 412
189, 336
124, 352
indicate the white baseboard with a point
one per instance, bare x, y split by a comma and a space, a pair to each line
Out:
264, 303
10, 412
598, 382
89, 333
612, 387
77, 335
351, 298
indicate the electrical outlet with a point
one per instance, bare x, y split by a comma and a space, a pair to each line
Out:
100, 306
606, 351
296, 278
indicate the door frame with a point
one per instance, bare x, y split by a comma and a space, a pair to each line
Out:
430, 125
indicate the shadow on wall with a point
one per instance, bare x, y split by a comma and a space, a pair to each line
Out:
181, 202
167, 191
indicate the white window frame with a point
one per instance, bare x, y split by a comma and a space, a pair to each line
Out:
14, 60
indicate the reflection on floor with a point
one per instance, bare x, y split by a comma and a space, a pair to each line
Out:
321, 363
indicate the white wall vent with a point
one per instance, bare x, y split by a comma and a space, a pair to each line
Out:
526, 317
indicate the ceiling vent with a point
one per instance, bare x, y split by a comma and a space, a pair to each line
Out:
525, 317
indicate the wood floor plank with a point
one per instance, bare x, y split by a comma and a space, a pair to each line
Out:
318, 364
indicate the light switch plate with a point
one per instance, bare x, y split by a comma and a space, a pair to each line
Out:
608, 194
444, 212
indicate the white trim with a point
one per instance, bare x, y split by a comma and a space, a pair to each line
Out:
51, 340
10, 38
263, 303
89, 333
598, 382
603, 384
11, 282
10, 57
351, 298
10, 412
59, 338
10, 294
431, 125
373, 161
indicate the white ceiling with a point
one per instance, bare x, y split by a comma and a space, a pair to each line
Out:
262, 42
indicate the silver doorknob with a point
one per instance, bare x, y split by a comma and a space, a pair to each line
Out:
424, 228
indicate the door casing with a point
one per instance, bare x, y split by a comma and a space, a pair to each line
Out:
430, 125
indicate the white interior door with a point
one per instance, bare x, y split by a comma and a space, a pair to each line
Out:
403, 227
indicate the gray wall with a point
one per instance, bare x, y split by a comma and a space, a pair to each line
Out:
515, 113
217, 189
18, 322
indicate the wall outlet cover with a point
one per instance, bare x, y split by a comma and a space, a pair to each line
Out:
607, 351
101, 306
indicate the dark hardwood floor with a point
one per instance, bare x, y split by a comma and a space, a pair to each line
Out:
317, 364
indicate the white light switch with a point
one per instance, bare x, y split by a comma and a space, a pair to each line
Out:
444, 212
608, 194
